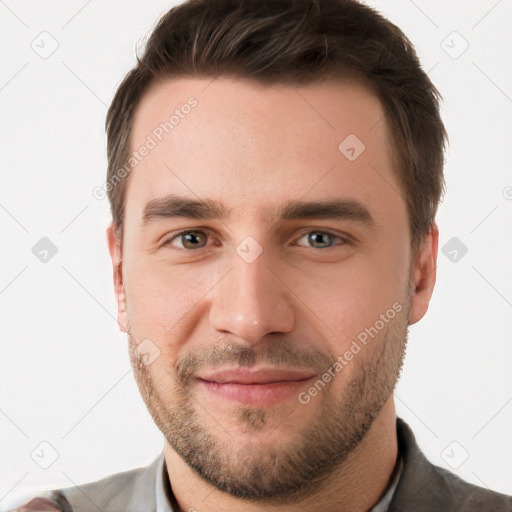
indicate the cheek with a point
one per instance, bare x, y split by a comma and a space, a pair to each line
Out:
350, 297
162, 300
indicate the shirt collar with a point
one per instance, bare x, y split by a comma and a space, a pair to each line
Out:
164, 495
163, 488
383, 504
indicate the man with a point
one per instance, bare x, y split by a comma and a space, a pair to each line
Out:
274, 173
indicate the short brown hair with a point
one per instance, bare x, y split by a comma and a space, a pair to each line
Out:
297, 42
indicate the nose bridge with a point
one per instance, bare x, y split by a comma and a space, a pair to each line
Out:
250, 301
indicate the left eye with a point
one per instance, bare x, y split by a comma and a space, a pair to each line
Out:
320, 239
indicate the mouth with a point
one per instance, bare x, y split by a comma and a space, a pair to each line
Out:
255, 386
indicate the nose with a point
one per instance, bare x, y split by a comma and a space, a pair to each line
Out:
252, 301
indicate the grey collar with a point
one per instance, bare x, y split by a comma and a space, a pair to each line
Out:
164, 495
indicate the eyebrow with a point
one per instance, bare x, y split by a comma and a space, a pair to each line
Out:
179, 206
172, 206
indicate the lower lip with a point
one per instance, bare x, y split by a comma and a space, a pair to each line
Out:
256, 394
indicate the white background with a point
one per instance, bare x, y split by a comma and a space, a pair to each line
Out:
65, 375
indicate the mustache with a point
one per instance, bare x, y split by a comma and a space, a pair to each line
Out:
283, 353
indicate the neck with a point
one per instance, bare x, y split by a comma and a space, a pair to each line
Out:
355, 486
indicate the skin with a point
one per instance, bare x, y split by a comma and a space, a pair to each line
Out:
254, 148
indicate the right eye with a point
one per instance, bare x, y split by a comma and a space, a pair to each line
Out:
189, 239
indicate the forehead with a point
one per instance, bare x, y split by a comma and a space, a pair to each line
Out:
256, 146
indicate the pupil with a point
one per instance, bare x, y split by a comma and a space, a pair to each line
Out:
317, 239
191, 240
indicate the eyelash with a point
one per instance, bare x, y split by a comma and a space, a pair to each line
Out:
344, 240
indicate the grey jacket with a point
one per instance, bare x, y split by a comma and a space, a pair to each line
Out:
423, 487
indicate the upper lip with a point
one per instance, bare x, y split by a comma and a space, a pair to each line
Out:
254, 375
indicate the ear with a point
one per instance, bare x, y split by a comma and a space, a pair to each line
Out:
115, 249
423, 274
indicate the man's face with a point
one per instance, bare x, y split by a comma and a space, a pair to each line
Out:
274, 309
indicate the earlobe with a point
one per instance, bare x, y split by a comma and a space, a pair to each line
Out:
115, 249
423, 274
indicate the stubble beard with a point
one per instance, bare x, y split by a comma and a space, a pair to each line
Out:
291, 468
